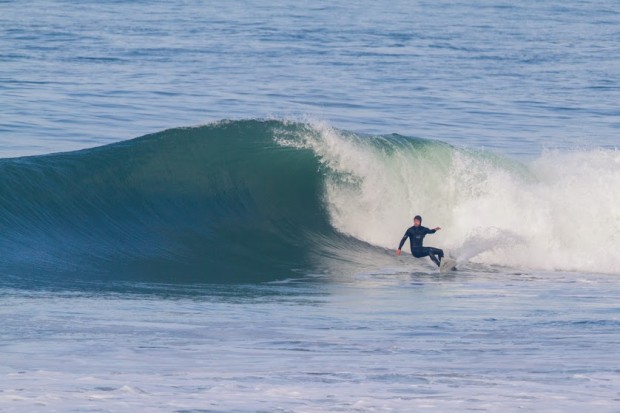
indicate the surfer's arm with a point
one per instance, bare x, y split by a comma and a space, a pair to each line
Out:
402, 242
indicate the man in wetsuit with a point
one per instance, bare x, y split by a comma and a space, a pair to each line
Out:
416, 236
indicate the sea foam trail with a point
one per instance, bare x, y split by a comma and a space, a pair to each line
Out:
249, 201
559, 212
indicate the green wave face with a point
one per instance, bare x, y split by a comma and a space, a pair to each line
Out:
217, 203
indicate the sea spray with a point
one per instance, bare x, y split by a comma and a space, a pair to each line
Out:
484, 240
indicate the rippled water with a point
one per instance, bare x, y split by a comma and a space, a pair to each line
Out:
516, 77
371, 343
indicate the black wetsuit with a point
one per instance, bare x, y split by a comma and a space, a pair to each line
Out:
416, 237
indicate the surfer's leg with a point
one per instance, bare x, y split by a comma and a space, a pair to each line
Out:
419, 252
434, 259
436, 255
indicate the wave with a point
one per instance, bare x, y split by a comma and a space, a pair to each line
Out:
257, 200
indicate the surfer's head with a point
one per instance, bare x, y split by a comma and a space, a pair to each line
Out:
417, 220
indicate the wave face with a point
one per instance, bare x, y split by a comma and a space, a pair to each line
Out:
223, 202
247, 201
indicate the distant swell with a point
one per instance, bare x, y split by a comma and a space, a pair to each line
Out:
247, 201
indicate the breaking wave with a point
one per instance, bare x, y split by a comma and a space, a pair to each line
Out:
254, 200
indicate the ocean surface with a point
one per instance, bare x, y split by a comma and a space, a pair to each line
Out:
200, 204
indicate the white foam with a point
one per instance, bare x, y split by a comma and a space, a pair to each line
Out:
561, 212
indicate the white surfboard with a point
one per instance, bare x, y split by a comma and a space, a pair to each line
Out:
447, 264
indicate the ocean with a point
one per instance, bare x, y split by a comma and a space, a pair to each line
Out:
200, 204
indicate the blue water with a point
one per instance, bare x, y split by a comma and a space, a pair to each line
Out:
375, 343
512, 77
248, 265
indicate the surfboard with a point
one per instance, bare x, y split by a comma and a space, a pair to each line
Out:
447, 264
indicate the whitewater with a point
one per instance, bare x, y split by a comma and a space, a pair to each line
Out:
553, 213
200, 204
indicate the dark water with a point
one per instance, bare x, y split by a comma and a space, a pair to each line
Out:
219, 203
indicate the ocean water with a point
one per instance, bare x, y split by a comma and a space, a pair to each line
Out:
200, 203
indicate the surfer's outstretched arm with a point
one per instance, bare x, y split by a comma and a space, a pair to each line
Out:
402, 241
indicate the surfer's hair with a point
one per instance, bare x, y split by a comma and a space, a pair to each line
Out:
419, 218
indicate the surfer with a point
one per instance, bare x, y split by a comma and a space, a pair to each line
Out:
416, 236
